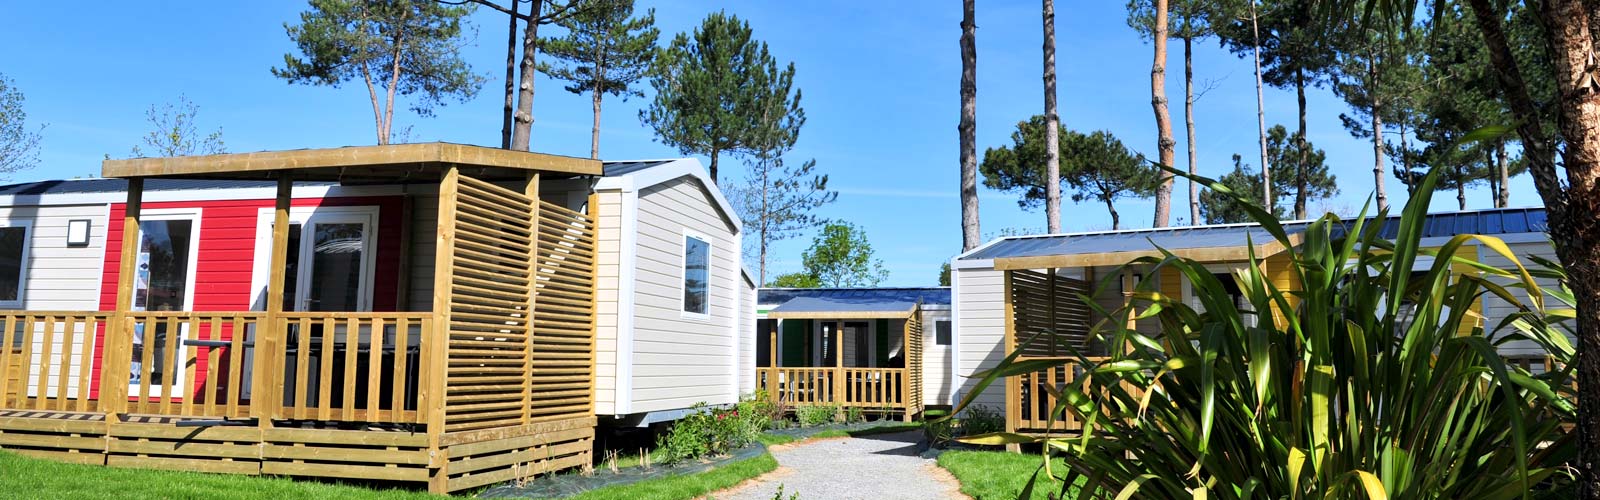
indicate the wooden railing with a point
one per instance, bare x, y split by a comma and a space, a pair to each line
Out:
182, 363
45, 359
357, 367
863, 387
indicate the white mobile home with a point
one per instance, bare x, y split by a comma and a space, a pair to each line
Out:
1019, 288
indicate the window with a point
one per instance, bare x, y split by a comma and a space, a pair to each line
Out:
696, 274
13, 259
941, 332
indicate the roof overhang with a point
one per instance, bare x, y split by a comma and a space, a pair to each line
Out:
357, 164
823, 308
1234, 253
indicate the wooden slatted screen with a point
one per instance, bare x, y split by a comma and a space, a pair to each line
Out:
488, 307
509, 253
914, 356
562, 372
1048, 305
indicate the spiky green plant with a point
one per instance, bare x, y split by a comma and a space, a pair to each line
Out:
1365, 388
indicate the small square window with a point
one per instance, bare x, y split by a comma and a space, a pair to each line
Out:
941, 332
696, 275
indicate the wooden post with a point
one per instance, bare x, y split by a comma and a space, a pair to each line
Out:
592, 208
838, 365
266, 399
1013, 409
118, 349
531, 190
905, 372
432, 388
771, 382
1051, 308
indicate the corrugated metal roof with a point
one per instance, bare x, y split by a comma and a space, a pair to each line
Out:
925, 295
82, 186
836, 305
1487, 222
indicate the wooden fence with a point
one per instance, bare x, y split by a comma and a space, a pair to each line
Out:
870, 388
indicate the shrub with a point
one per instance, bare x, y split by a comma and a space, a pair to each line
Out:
854, 414
709, 432
815, 415
1367, 381
937, 429
980, 419
761, 410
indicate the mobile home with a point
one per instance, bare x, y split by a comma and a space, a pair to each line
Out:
436, 313
1019, 288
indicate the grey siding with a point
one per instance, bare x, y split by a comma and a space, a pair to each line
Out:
747, 338
59, 277
609, 249
1496, 309
980, 303
679, 359
935, 360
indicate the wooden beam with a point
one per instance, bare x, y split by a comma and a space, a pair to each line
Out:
119, 343
531, 190
433, 388
1238, 253
267, 399
403, 156
841, 314
1013, 404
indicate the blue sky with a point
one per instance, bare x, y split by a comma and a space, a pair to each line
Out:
880, 83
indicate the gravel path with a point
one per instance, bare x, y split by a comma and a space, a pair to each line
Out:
872, 467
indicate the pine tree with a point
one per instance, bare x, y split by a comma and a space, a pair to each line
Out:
1097, 166
605, 51
1190, 20
712, 87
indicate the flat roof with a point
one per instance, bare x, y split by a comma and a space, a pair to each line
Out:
1223, 242
937, 295
842, 308
357, 164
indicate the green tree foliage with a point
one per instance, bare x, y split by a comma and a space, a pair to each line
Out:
1296, 53
778, 201
1244, 181
19, 144
1299, 165
394, 47
944, 274
174, 132
718, 90
795, 280
1366, 381
840, 256
1097, 166
605, 50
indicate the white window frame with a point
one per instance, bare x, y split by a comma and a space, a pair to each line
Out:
22, 263
197, 216
260, 268
683, 275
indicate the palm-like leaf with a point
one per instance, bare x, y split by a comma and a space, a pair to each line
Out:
1332, 392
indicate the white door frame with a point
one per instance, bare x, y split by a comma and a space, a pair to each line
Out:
195, 216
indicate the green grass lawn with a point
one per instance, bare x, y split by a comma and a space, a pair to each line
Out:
997, 475
36, 478
685, 487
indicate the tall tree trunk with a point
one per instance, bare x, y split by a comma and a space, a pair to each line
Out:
1461, 188
594, 135
713, 167
522, 130
968, 129
1494, 179
1377, 131
1300, 168
1504, 173
1573, 227
1405, 158
1261, 113
1158, 102
1188, 123
766, 220
1116, 221
511, 82
1052, 125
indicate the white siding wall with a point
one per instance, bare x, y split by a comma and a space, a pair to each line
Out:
609, 236
1496, 309
679, 360
747, 339
424, 240
935, 360
980, 303
59, 277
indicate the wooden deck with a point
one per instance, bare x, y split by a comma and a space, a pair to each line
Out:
494, 383
887, 390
